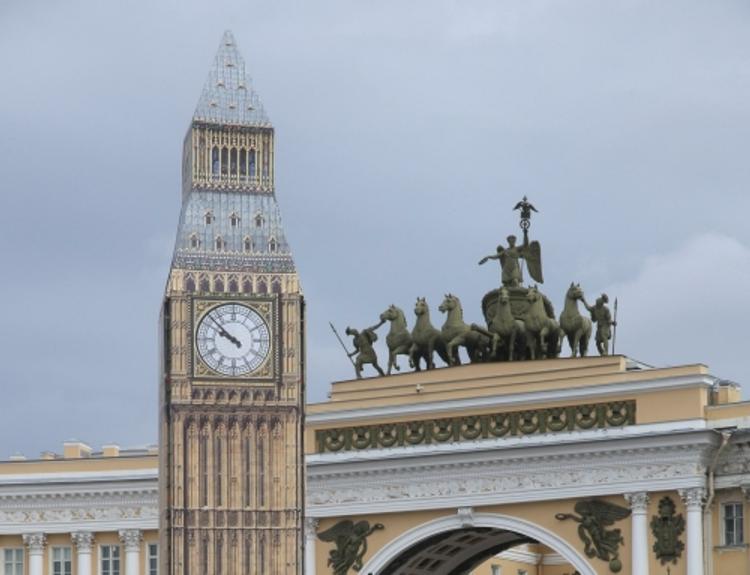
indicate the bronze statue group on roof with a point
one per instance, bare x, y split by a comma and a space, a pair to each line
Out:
520, 321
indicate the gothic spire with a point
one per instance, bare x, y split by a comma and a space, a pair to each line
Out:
228, 96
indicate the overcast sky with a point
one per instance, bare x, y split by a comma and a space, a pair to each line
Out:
406, 131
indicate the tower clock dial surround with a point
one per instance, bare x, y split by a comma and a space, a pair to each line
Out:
233, 339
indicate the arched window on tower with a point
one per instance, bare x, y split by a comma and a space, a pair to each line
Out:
247, 286
262, 286
220, 244
233, 285
218, 285
208, 217
224, 161
247, 244
215, 161
234, 219
203, 458
233, 155
195, 242
276, 285
189, 283
259, 220
272, 245
243, 162
218, 468
251, 162
203, 283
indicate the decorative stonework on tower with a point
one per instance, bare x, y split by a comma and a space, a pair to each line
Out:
231, 467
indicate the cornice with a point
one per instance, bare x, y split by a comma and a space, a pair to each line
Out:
675, 436
529, 398
645, 464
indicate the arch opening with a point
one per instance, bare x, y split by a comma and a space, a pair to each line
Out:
457, 545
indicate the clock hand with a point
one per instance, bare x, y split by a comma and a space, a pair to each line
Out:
225, 334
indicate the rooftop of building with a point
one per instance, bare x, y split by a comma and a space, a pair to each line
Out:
228, 97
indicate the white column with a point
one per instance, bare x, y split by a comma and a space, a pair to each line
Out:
83, 541
693, 499
131, 539
311, 536
35, 542
639, 532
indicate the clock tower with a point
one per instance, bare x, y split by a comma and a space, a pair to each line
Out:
232, 326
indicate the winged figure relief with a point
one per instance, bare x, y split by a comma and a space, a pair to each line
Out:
350, 539
594, 518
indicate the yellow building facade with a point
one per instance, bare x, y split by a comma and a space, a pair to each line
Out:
465, 469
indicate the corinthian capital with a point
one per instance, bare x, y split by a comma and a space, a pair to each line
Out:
131, 538
694, 497
35, 542
311, 527
83, 541
638, 501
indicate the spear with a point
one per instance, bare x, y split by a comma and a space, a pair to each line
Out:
341, 341
614, 334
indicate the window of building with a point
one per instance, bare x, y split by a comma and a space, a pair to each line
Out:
276, 285
247, 286
262, 286
189, 284
110, 559
204, 557
261, 471
208, 217
218, 467
233, 155
203, 283
523, 572
224, 161
259, 220
243, 162
251, 162
219, 557
195, 243
496, 570
203, 487
233, 285
248, 244
248, 471
61, 560
215, 160
13, 561
234, 219
733, 524
272, 245
152, 559
220, 244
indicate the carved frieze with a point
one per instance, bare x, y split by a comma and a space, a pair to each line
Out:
494, 479
475, 427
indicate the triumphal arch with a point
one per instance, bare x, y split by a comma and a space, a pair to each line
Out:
522, 461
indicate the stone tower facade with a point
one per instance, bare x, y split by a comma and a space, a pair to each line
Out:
232, 323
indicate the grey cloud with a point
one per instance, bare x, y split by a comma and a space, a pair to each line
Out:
405, 133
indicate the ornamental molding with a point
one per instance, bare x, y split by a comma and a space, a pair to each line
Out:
79, 511
693, 498
469, 428
35, 542
638, 501
471, 480
83, 540
311, 527
431, 409
131, 539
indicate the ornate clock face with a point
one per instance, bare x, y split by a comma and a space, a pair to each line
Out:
233, 339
